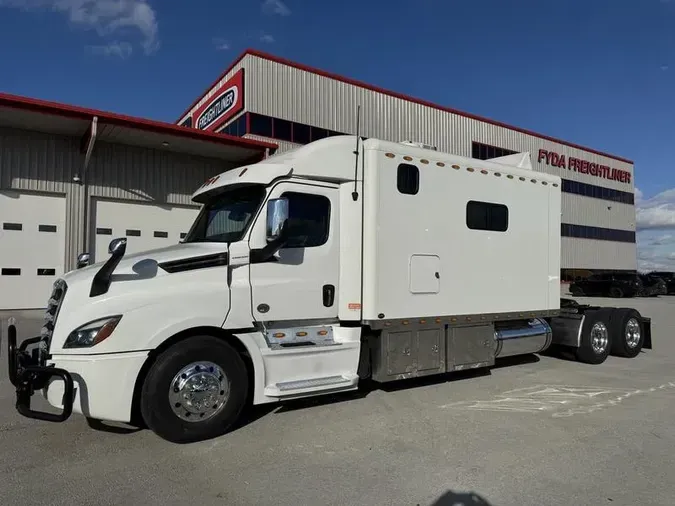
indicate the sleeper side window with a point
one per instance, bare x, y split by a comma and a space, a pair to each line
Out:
308, 220
408, 179
487, 216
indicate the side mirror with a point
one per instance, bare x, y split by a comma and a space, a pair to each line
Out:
277, 215
83, 260
118, 247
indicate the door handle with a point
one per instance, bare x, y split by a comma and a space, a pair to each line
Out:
328, 295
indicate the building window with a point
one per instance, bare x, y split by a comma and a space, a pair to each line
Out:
276, 128
283, 130
302, 133
308, 220
236, 128
487, 216
408, 179
260, 125
597, 233
598, 192
482, 151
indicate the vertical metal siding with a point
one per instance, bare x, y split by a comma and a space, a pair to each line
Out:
579, 210
592, 254
37, 162
285, 92
298, 95
132, 173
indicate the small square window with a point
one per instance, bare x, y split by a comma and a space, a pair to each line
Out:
161, 235
133, 233
408, 179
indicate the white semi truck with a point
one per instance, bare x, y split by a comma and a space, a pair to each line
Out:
303, 274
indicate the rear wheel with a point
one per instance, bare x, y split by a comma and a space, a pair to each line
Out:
195, 390
626, 328
596, 339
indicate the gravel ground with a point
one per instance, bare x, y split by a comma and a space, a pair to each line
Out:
533, 431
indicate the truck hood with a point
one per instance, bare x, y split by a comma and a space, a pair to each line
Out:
146, 261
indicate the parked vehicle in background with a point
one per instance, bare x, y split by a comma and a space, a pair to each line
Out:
608, 285
668, 277
652, 286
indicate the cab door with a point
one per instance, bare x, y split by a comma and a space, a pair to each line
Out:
300, 282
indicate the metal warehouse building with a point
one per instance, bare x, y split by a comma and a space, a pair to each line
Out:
72, 179
270, 99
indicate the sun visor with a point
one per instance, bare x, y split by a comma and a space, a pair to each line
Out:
262, 173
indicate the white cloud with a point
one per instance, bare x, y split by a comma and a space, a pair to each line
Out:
119, 49
221, 44
664, 67
275, 7
266, 37
655, 219
657, 212
106, 17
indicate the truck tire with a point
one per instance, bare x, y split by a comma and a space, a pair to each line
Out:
596, 338
577, 291
195, 390
626, 330
616, 292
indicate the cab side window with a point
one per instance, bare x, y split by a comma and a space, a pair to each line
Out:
308, 220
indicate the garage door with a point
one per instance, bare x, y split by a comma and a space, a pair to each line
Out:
32, 248
146, 226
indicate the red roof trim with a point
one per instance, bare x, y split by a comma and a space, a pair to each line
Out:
354, 82
70, 111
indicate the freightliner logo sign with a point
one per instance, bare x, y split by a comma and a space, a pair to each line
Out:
225, 103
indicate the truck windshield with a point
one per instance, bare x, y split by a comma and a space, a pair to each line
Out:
226, 217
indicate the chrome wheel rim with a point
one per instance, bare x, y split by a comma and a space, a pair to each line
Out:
199, 391
599, 338
633, 333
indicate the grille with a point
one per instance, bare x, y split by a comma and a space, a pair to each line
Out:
52, 313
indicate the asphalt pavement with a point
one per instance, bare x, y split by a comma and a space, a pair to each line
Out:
538, 430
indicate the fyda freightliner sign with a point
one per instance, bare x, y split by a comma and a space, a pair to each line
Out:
222, 106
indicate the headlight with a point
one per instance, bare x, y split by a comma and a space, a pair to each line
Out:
92, 333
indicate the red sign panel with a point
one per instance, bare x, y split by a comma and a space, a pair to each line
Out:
222, 106
583, 166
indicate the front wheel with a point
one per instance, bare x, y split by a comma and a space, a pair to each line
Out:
195, 390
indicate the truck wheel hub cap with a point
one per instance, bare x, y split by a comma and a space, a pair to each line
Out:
632, 333
599, 337
199, 391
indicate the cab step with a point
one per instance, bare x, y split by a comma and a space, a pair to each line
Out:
309, 385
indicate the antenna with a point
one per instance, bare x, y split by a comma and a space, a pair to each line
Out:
355, 193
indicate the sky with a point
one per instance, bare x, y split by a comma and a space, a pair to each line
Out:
600, 73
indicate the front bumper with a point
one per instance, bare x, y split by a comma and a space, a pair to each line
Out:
28, 375
97, 386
